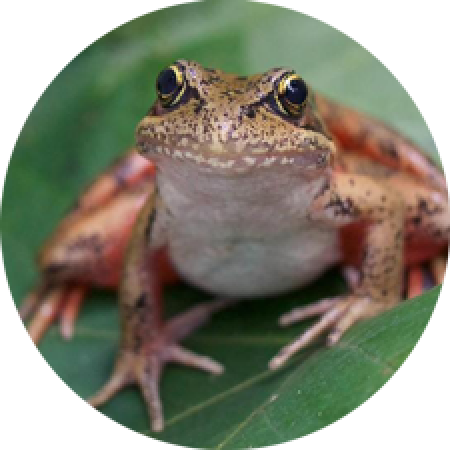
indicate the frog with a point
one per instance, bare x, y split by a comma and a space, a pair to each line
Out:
245, 187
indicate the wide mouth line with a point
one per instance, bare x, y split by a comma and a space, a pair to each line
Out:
311, 158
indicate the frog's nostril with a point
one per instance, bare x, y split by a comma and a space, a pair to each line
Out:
251, 113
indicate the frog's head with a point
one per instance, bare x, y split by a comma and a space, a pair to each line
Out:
234, 123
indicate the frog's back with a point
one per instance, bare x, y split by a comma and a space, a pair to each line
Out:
362, 139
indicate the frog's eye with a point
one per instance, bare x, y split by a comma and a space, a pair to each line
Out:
170, 86
291, 93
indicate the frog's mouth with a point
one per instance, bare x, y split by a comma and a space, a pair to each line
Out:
309, 156
307, 160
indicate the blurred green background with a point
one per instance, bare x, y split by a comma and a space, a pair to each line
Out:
87, 117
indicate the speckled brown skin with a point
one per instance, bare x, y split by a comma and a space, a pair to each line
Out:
356, 132
349, 198
250, 201
426, 225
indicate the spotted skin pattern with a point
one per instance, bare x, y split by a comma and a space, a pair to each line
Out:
368, 136
240, 198
382, 264
227, 122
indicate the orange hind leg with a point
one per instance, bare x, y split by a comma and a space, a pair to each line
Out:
87, 247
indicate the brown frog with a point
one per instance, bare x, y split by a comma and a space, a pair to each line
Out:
252, 186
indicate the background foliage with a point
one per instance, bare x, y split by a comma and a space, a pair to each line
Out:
86, 118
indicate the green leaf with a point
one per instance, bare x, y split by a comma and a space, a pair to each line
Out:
87, 117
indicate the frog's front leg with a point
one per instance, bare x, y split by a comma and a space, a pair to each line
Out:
351, 198
147, 343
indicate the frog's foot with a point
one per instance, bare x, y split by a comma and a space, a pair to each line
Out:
421, 277
337, 315
145, 369
145, 365
48, 304
438, 266
415, 281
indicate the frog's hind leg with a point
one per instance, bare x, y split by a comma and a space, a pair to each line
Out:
87, 247
360, 134
415, 284
427, 233
421, 277
46, 304
438, 267
69, 314
30, 303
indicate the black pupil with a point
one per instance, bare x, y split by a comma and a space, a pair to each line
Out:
296, 91
167, 82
